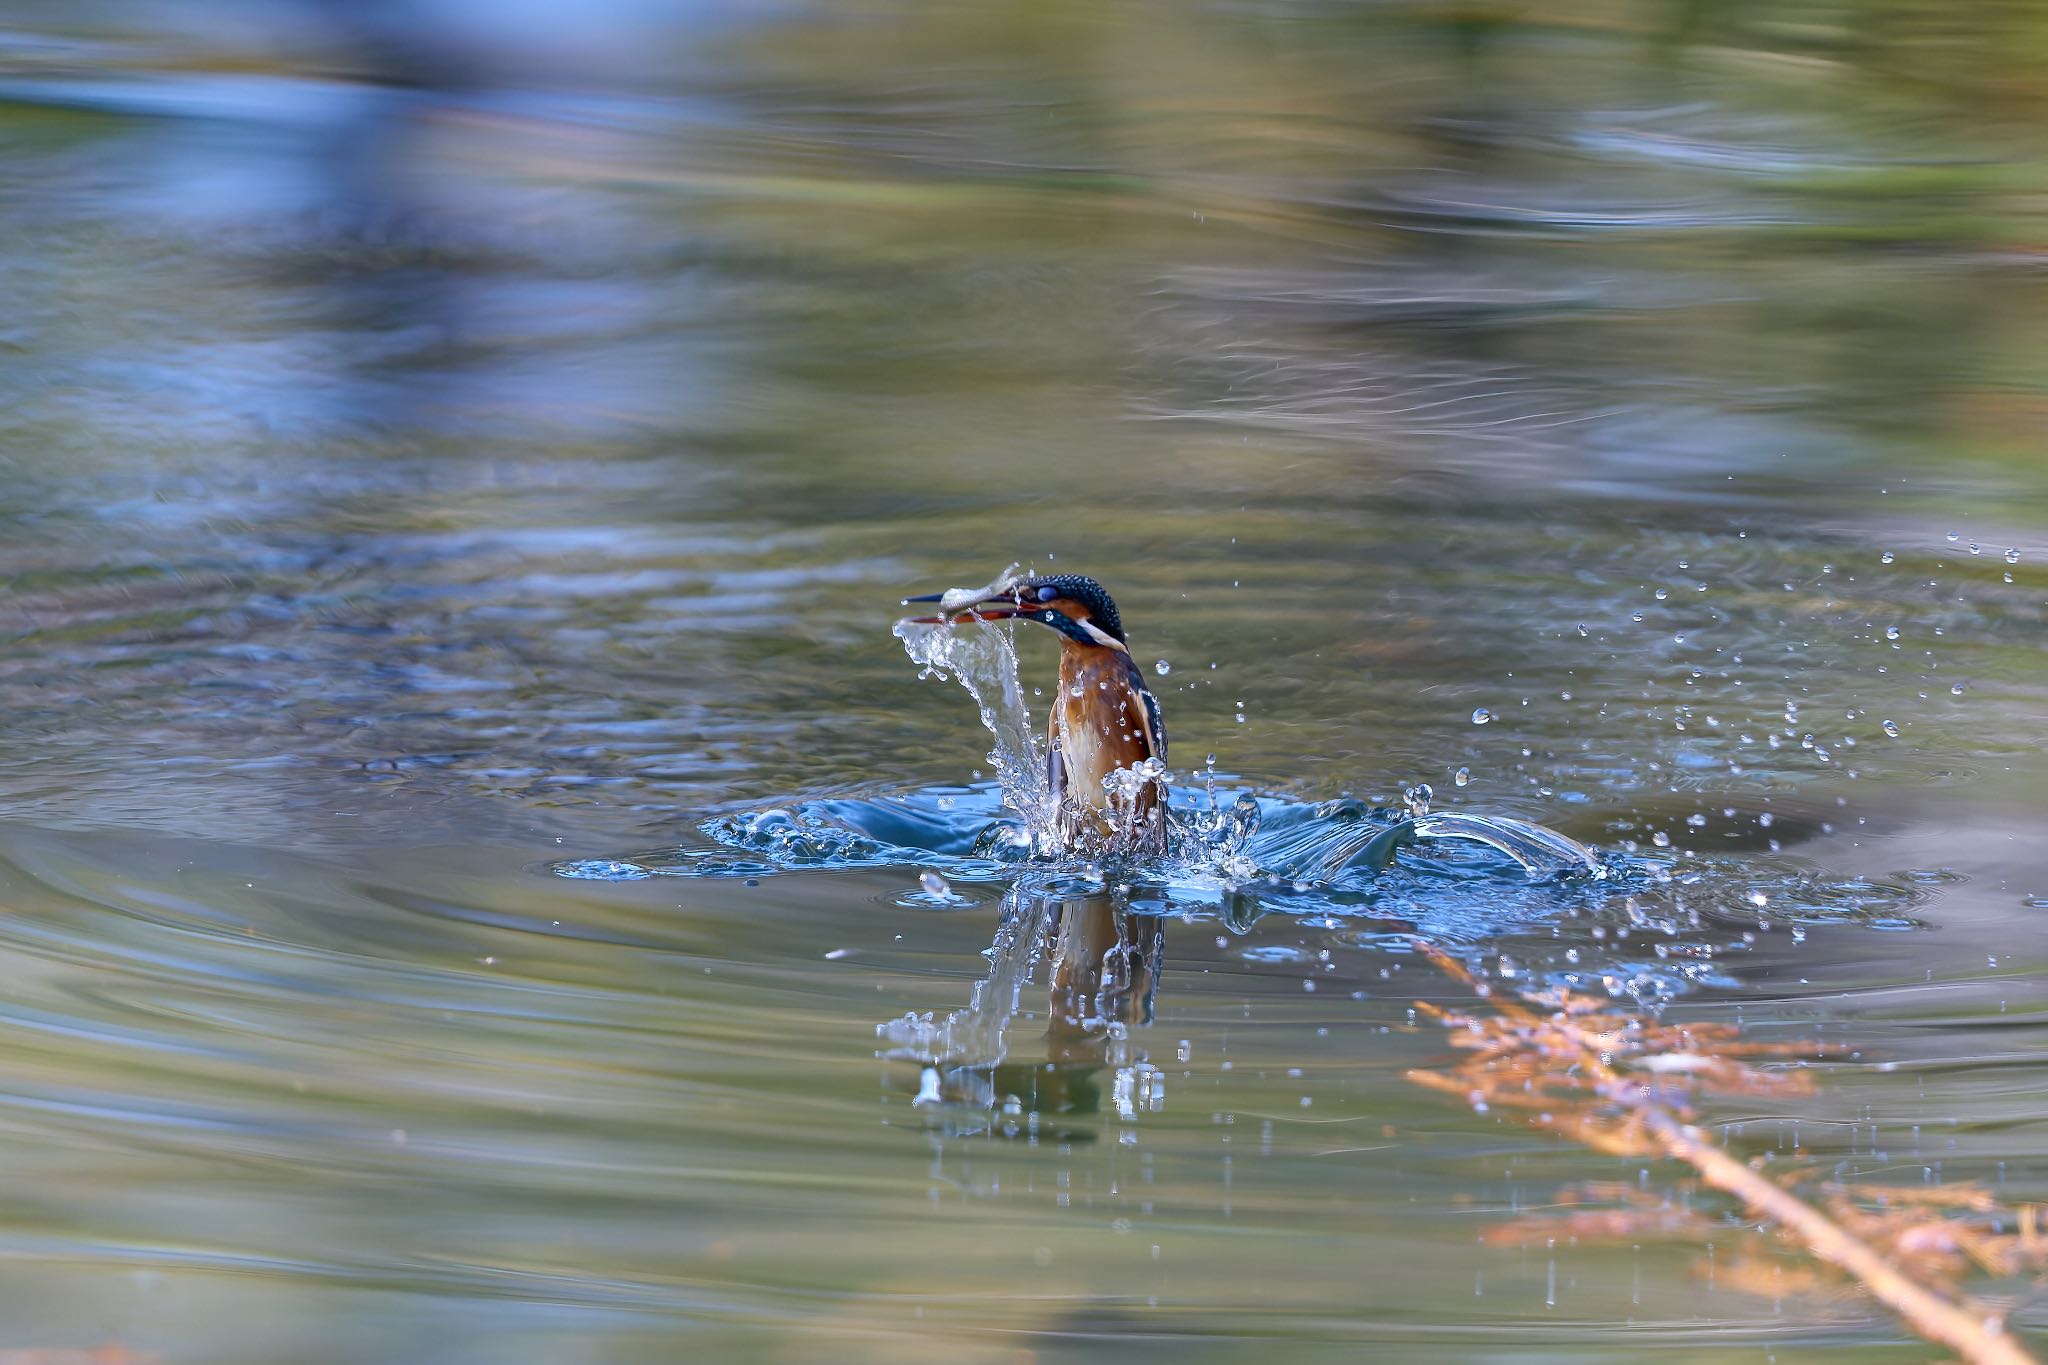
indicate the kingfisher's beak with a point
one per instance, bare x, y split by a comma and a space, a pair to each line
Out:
999, 607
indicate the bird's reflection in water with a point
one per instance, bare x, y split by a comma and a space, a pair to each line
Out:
1101, 963
1105, 968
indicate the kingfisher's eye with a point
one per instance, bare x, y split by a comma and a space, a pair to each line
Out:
1047, 594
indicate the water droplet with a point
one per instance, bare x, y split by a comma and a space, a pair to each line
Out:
1462, 776
1481, 715
1162, 667
1954, 536
1891, 632
2012, 556
1661, 594
1957, 690
934, 884
1886, 557
1417, 799
1582, 628
1661, 839
1891, 727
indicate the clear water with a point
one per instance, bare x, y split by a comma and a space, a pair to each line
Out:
445, 449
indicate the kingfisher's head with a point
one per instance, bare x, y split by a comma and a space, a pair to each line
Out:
1073, 604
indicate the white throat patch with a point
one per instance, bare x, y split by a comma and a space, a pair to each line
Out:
1101, 636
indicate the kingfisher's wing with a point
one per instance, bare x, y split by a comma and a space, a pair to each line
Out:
1143, 707
1150, 728
1155, 724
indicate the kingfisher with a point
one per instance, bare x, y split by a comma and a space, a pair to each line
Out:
1103, 719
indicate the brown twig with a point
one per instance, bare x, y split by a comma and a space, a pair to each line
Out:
1970, 1330
1623, 1085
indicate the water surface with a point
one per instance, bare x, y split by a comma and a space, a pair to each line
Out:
440, 448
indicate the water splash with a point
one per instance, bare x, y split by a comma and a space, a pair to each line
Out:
984, 661
1541, 851
1134, 827
1660, 920
1650, 924
1216, 844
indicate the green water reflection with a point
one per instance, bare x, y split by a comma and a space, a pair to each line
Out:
440, 441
